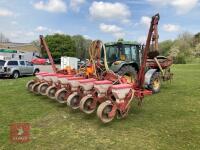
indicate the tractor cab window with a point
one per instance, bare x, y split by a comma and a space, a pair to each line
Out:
127, 53
134, 52
112, 53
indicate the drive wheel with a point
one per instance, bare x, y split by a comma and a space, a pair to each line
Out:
103, 112
61, 95
51, 91
128, 72
30, 84
85, 105
73, 101
35, 88
155, 83
42, 88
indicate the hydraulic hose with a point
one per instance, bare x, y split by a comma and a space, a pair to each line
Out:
95, 54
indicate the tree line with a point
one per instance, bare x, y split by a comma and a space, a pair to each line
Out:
66, 45
184, 49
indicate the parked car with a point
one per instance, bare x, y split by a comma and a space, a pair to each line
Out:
17, 68
40, 61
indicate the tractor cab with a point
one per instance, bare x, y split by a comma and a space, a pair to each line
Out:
122, 53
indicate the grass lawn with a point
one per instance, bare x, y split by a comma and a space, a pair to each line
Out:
168, 120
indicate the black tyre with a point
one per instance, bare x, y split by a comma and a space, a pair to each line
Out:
15, 75
36, 71
155, 83
128, 72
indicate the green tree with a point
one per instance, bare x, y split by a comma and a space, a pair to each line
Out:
196, 51
165, 47
197, 38
60, 45
174, 51
182, 48
82, 46
185, 43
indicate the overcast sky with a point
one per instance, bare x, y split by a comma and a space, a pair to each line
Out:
25, 20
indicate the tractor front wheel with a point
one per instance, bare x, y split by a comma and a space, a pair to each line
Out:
155, 83
103, 112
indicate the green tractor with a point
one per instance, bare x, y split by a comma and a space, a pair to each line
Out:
137, 63
123, 58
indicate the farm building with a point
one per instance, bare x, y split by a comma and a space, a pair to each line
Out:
25, 51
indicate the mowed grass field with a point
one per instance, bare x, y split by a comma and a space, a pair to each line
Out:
168, 120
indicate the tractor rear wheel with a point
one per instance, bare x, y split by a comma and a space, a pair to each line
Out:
128, 72
85, 105
103, 112
155, 83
